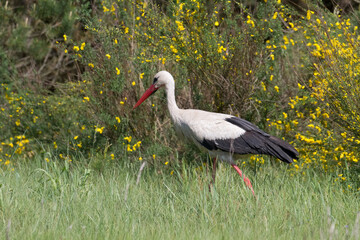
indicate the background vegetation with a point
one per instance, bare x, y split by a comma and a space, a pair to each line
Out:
72, 70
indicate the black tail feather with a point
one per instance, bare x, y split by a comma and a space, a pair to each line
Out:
256, 141
282, 150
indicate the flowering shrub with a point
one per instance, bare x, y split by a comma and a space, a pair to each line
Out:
294, 74
323, 115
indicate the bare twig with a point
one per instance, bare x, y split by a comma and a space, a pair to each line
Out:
355, 232
7, 232
46, 58
140, 171
332, 231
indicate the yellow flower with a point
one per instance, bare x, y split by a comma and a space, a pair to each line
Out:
250, 21
286, 40
180, 25
276, 88
221, 49
99, 130
65, 37
117, 71
117, 119
263, 86
108, 56
79, 145
216, 23
115, 41
275, 15
308, 15
91, 65
82, 46
173, 49
76, 48
76, 137
133, 83
87, 99
112, 156
65, 51
166, 163
129, 148
112, 8
140, 158
55, 145
153, 156
128, 138
142, 75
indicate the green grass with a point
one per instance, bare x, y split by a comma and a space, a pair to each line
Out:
40, 200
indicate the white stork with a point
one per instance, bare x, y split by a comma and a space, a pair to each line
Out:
223, 136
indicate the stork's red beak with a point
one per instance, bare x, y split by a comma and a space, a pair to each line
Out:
152, 89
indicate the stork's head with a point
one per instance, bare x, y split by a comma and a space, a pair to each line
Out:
161, 79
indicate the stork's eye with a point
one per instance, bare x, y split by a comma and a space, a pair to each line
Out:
155, 80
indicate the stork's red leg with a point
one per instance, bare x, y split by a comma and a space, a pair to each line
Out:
246, 180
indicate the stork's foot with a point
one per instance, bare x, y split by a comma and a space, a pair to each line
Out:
246, 180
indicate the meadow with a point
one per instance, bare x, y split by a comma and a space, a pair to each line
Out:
72, 146
50, 200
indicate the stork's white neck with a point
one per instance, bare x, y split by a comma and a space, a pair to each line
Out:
170, 95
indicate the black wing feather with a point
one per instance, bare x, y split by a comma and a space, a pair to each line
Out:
253, 141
